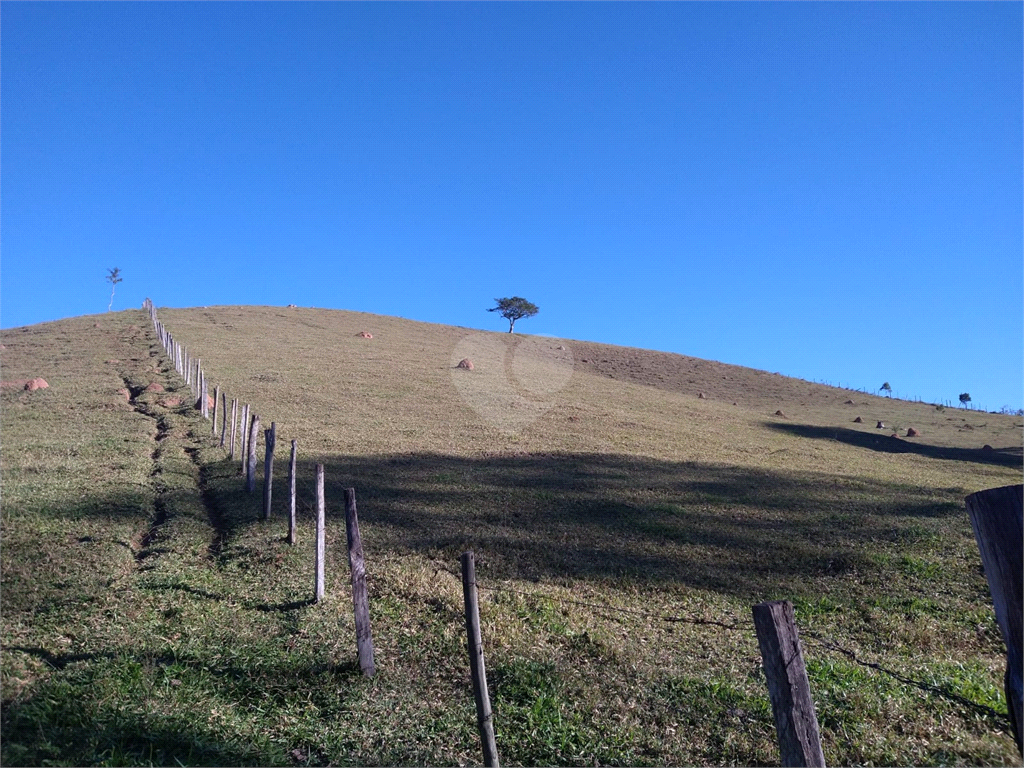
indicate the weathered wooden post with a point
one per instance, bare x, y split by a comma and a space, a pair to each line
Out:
244, 437
484, 716
321, 548
268, 467
216, 401
997, 516
224, 419
788, 688
234, 425
291, 492
250, 470
360, 600
204, 404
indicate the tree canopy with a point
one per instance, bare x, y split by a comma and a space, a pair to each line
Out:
514, 308
113, 277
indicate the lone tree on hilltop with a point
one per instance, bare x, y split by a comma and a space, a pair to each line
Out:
965, 398
113, 277
514, 309
886, 388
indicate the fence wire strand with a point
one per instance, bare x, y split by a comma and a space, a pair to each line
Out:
809, 635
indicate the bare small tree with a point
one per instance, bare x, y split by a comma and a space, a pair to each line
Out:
886, 388
113, 277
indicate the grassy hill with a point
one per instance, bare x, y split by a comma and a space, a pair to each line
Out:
150, 616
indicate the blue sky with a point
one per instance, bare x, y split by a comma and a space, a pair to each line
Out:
828, 190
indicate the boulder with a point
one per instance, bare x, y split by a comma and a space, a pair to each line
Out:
858, 420
465, 363
170, 402
365, 335
911, 432
34, 384
125, 394
700, 395
780, 413
850, 402
209, 403
987, 447
879, 425
155, 387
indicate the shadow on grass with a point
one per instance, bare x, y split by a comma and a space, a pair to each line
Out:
751, 533
884, 442
102, 713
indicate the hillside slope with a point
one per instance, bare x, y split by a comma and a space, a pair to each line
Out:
599, 491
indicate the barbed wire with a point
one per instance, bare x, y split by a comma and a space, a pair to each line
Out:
810, 635
817, 639
630, 611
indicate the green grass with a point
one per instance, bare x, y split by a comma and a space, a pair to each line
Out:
150, 615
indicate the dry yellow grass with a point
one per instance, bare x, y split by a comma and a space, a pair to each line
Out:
585, 476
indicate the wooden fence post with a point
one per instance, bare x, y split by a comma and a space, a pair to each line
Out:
234, 425
216, 401
291, 491
360, 600
997, 516
204, 404
224, 410
321, 549
268, 467
244, 436
250, 470
484, 716
788, 688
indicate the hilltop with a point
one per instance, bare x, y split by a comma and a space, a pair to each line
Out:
142, 587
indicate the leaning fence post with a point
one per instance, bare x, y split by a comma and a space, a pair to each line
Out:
360, 600
997, 516
484, 716
321, 549
268, 467
250, 468
291, 492
788, 688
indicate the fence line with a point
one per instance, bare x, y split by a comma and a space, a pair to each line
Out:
815, 637
195, 377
